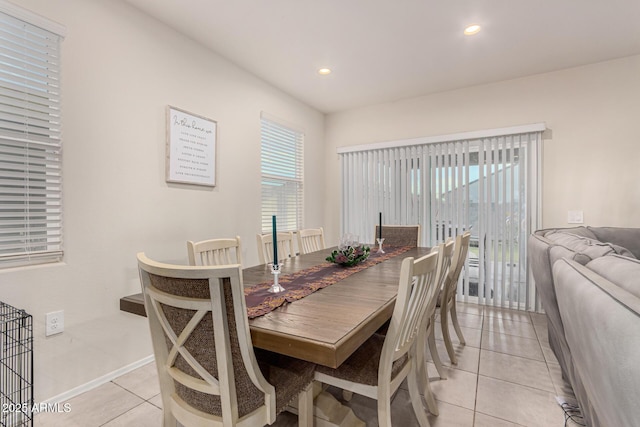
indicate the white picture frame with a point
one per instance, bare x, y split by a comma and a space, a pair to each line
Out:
191, 148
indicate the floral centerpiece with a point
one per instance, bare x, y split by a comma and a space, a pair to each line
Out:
349, 255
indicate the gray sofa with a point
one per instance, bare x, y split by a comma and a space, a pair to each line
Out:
575, 270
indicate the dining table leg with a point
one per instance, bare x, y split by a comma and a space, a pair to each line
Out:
328, 411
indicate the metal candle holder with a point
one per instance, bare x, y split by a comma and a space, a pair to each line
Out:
380, 251
275, 287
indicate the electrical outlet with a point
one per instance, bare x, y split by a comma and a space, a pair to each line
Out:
54, 323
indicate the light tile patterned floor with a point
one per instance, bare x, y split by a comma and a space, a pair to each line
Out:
506, 376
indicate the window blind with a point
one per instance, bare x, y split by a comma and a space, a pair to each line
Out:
282, 176
488, 185
30, 143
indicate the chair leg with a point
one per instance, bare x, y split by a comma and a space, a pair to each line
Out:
430, 399
444, 322
413, 381
422, 376
434, 351
169, 419
384, 405
305, 406
456, 325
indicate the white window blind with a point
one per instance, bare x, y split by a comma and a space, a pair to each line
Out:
30, 141
282, 176
488, 185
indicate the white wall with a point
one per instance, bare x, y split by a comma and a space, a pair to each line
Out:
120, 71
591, 159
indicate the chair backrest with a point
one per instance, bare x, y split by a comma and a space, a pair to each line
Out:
200, 334
445, 251
310, 240
457, 262
215, 252
265, 246
399, 235
416, 290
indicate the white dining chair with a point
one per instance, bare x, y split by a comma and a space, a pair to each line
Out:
445, 254
284, 240
447, 300
208, 370
382, 363
310, 240
215, 252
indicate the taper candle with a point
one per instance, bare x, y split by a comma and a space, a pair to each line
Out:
380, 227
275, 241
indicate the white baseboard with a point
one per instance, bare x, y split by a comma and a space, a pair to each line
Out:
63, 397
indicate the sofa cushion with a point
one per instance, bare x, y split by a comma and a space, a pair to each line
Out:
620, 270
578, 231
623, 251
628, 238
586, 249
557, 252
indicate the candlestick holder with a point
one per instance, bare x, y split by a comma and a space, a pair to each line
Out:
275, 287
380, 251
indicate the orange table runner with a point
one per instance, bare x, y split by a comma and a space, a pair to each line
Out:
298, 285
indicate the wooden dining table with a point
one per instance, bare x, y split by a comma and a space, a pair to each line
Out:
327, 326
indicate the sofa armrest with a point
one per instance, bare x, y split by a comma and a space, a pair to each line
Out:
540, 262
602, 327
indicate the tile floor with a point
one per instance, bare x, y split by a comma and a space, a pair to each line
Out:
506, 376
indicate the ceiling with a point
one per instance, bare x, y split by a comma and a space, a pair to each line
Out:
386, 50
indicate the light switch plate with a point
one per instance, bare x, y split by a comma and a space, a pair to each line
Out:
575, 217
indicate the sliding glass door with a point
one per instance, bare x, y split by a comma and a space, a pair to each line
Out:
488, 186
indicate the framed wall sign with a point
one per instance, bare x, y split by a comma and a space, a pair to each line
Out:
191, 148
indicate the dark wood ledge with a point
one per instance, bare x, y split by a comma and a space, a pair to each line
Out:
133, 304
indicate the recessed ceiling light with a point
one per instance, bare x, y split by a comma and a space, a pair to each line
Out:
324, 71
472, 29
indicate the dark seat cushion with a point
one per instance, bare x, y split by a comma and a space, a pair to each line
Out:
288, 375
362, 366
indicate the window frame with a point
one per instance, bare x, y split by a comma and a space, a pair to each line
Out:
281, 142
427, 181
30, 138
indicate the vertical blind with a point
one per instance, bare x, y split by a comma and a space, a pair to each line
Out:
30, 143
487, 185
282, 176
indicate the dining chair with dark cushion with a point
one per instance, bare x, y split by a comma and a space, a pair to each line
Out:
208, 370
382, 363
284, 240
215, 252
310, 240
399, 235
